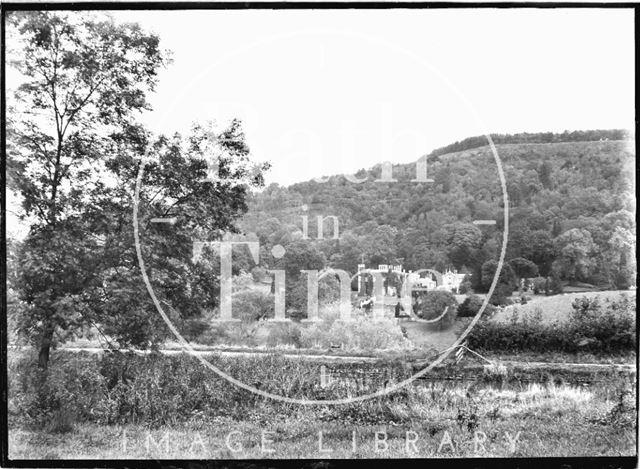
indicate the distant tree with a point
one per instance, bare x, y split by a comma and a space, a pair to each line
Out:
465, 286
507, 276
424, 257
462, 240
501, 294
349, 253
444, 178
471, 305
301, 255
620, 258
544, 173
379, 245
523, 268
624, 274
539, 285
519, 242
541, 250
553, 285
253, 305
576, 249
433, 305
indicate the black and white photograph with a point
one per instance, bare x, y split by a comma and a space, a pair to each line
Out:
318, 232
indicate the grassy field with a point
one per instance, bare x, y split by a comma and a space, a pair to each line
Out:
555, 307
172, 407
435, 421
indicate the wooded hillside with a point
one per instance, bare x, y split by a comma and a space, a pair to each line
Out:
571, 209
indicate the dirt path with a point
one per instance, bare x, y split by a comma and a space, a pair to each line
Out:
365, 359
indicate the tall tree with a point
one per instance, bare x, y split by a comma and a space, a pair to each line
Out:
576, 260
84, 79
523, 268
75, 153
507, 276
544, 173
463, 240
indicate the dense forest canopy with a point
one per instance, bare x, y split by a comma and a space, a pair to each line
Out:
571, 210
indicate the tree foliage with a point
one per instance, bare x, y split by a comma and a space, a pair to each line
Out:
553, 187
75, 153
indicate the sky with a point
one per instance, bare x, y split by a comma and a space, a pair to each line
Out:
332, 91
325, 92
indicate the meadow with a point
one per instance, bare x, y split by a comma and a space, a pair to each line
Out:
161, 407
115, 404
556, 307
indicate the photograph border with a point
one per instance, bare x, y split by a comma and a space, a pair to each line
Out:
569, 462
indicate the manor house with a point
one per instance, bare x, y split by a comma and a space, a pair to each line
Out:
449, 281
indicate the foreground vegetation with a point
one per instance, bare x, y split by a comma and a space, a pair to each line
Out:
128, 406
603, 327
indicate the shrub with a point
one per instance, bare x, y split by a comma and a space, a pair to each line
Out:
252, 305
523, 268
593, 327
434, 303
232, 334
296, 295
284, 334
259, 274
68, 391
471, 305
501, 293
507, 276
193, 328
465, 286
384, 334
539, 285
609, 327
242, 282
155, 390
554, 285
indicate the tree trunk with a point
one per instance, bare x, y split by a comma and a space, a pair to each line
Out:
45, 347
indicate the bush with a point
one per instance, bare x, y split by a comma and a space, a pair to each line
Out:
465, 286
507, 276
296, 295
284, 334
609, 327
554, 285
593, 327
501, 294
471, 305
253, 305
259, 274
155, 390
69, 391
242, 282
193, 328
539, 285
523, 268
383, 334
431, 305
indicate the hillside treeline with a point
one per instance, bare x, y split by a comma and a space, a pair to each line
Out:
571, 213
539, 137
